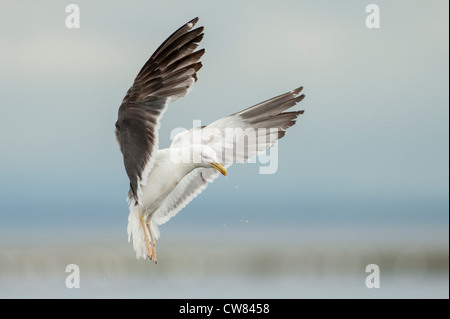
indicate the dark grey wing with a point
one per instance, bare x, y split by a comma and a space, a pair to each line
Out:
168, 75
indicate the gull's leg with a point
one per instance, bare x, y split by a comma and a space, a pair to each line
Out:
147, 242
152, 243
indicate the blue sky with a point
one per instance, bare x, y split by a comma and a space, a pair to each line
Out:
373, 139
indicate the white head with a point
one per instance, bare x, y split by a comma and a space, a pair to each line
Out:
207, 157
196, 155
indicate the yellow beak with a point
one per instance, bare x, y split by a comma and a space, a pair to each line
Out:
219, 167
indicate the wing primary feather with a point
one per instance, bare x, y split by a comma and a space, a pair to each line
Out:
168, 75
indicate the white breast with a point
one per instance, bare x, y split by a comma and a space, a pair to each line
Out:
163, 178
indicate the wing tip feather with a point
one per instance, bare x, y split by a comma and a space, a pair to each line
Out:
191, 23
297, 90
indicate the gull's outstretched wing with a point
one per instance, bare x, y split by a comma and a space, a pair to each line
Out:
168, 75
270, 116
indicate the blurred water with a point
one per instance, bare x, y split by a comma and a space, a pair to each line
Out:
227, 261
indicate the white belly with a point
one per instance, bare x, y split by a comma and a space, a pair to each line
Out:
163, 178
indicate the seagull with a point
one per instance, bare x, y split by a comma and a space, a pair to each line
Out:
164, 181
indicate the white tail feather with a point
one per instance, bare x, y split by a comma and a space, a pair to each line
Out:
138, 232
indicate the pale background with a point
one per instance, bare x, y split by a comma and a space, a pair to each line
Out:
362, 178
